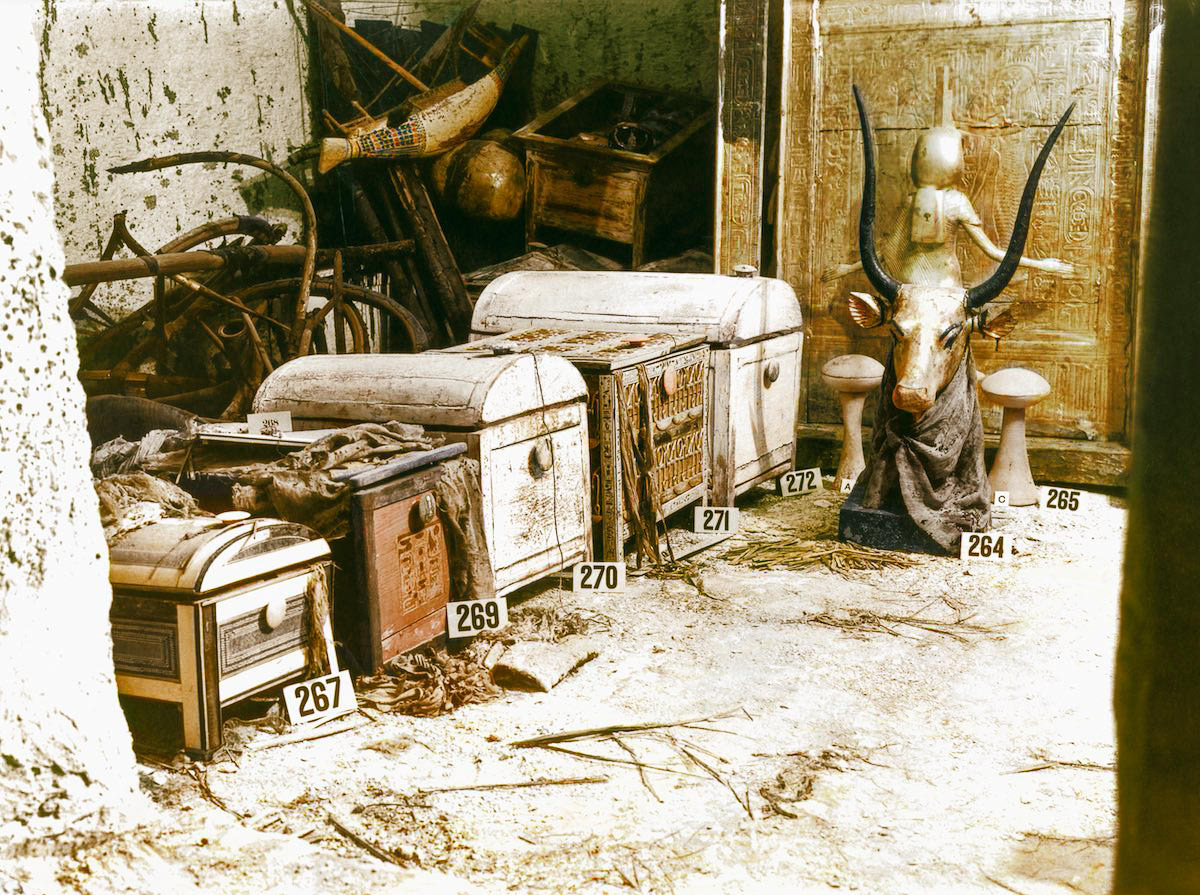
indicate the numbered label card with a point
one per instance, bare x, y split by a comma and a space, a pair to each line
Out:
800, 481
716, 520
320, 698
1069, 499
274, 423
599, 576
1000, 503
977, 545
845, 486
467, 618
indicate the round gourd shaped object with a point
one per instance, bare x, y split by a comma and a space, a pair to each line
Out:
852, 373
482, 178
1015, 387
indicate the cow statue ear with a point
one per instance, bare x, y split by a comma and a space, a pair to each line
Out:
865, 310
994, 327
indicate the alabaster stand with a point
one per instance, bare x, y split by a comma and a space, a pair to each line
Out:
852, 376
1014, 389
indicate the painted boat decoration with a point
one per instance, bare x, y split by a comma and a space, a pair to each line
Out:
430, 131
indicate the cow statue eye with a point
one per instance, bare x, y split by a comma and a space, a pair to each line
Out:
951, 333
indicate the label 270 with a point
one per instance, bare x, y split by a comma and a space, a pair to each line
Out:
599, 576
716, 520
466, 618
320, 697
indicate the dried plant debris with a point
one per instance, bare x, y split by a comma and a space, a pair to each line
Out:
687, 572
794, 783
549, 623
797, 553
430, 682
860, 622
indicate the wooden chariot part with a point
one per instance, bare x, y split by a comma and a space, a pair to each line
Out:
852, 376
1014, 389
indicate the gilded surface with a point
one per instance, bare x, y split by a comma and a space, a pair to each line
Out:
1011, 80
742, 105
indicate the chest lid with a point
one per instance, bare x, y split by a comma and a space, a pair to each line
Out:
592, 350
202, 555
435, 389
726, 311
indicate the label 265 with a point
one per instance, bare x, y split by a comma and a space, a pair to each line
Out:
983, 545
466, 618
1062, 499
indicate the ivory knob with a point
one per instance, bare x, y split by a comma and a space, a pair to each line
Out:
1014, 389
852, 376
273, 613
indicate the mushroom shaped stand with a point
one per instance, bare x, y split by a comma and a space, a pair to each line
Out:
1014, 389
852, 376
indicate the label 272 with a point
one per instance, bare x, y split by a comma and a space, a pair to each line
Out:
466, 618
799, 481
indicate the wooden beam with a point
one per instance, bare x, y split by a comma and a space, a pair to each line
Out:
1067, 460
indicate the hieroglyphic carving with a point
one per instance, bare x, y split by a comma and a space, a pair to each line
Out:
740, 119
1015, 67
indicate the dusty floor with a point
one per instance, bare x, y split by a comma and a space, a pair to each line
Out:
967, 749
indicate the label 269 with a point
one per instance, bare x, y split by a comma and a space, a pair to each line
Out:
466, 618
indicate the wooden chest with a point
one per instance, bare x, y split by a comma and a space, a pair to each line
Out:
752, 326
395, 560
612, 363
205, 614
522, 417
579, 183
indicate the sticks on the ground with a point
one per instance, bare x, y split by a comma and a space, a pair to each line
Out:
369, 847
569, 735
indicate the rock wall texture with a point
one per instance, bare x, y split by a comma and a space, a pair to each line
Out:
669, 44
64, 746
124, 80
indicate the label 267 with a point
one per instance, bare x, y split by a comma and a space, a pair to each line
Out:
320, 697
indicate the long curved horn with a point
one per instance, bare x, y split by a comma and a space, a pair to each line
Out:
978, 296
879, 277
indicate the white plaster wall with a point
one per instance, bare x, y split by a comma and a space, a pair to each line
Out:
64, 745
670, 44
129, 79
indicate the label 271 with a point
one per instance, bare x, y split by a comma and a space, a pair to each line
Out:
984, 545
716, 520
466, 618
320, 698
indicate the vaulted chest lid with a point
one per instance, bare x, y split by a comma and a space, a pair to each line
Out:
434, 389
727, 311
590, 350
201, 555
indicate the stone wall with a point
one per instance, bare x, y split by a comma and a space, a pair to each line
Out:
128, 80
64, 745
669, 44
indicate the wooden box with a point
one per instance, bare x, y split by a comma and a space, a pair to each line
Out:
395, 559
577, 182
676, 370
752, 326
522, 417
205, 614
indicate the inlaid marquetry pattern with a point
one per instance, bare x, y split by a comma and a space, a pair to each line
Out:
1014, 68
146, 648
244, 641
420, 562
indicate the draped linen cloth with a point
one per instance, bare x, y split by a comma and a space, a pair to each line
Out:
931, 466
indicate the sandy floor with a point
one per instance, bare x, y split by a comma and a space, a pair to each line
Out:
967, 749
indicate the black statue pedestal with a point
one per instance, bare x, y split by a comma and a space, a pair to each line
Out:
887, 528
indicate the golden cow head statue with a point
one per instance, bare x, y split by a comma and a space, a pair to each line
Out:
931, 324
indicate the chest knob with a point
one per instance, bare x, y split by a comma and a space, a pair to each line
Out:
670, 382
541, 458
273, 613
424, 512
771, 372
